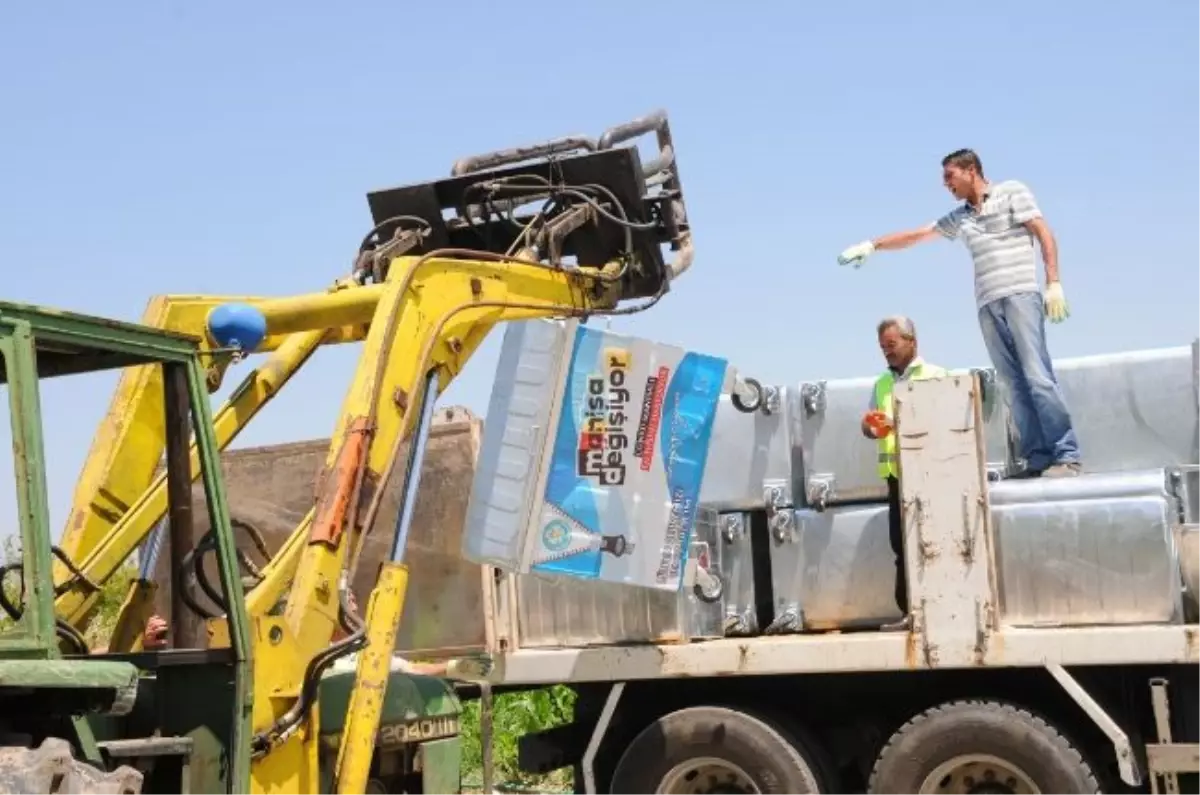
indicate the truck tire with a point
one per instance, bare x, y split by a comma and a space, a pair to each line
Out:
980, 746
714, 749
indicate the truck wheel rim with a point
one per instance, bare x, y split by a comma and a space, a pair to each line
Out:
706, 775
978, 773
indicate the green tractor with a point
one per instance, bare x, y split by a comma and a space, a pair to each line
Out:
175, 720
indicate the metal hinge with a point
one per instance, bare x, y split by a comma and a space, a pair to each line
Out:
789, 620
820, 489
777, 499
772, 399
812, 397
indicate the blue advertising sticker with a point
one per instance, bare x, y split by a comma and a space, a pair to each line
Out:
628, 461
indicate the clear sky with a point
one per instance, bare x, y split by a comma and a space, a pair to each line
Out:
227, 148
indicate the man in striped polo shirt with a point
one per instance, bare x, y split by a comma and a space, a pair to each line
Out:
999, 223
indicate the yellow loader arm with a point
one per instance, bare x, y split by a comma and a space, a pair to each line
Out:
424, 293
118, 498
434, 312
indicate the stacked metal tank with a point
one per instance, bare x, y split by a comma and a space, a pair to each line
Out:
797, 490
796, 518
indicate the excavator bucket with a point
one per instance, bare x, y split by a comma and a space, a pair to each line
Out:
570, 201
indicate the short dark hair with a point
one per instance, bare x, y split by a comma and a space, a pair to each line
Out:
964, 159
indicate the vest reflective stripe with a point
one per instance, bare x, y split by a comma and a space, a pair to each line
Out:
883, 402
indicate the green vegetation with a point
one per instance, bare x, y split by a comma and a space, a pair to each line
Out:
515, 714
112, 596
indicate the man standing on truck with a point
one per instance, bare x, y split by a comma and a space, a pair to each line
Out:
999, 223
898, 342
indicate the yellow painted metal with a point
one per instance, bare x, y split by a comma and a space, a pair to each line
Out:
351, 306
218, 633
292, 766
129, 443
430, 315
115, 514
374, 664
127, 634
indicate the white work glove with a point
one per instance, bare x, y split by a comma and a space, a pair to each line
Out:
1055, 303
469, 668
857, 254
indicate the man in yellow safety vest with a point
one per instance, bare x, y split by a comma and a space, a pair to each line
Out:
898, 342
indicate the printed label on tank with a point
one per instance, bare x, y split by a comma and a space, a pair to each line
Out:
628, 461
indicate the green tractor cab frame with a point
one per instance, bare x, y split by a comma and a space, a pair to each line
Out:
42, 655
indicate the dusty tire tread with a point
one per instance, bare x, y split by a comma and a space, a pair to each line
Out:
1053, 735
802, 755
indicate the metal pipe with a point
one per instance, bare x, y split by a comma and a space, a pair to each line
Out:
519, 154
486, 715
149, 552
412, 475
352, 306
179, 493
682, 260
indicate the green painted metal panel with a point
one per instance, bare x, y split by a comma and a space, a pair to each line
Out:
68, 674
236, 617
38, 342
414, 707
72, 343
441, 765
37, 620
102, 331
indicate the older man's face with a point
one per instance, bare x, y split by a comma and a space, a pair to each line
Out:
896, 349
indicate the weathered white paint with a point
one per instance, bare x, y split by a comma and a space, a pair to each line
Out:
947, 539
834, 653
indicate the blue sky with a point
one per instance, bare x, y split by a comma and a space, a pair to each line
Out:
227, 148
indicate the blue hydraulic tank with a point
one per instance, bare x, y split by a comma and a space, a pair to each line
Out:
238, 326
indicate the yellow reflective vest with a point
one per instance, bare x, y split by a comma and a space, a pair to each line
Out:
917, 370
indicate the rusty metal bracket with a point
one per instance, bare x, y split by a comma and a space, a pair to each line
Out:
375, 261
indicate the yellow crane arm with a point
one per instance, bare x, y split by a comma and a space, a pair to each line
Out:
431, 316
118, 498
420, 319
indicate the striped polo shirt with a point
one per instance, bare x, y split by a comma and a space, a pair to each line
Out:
1000, 245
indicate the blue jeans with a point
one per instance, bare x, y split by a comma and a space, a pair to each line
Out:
1014, 331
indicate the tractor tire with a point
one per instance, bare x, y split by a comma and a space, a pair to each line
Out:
715, 749
965, 745
51, 768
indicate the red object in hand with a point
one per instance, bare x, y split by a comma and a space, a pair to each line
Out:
879, 423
